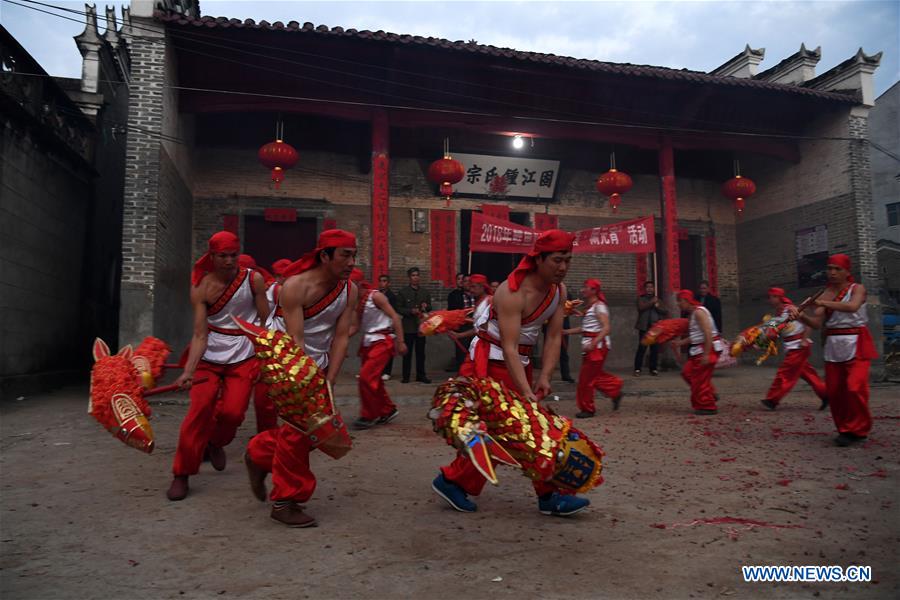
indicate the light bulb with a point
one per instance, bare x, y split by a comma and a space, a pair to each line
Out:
518, 143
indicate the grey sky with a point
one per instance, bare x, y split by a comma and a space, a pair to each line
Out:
692, 35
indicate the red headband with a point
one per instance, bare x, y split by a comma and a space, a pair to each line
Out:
330, 238
552, 240
842, 261
687, 295
356, 275
220, 242
280, 265
480, 279
595, 285
779, 293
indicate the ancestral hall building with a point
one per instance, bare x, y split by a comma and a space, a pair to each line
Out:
369, 111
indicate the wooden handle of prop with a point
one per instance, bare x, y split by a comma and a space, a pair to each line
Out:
170, 388
808, 302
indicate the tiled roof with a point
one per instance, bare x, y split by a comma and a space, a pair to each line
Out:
472, 47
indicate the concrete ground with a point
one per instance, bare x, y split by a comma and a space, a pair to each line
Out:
83, 516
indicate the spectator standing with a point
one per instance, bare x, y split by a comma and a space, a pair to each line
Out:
413, 303
650, 310
712, 303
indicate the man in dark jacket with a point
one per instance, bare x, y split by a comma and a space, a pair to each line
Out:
712, 303
650, 310
457, 299
384, 286
413, 303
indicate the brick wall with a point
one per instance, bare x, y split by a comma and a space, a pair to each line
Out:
44, 203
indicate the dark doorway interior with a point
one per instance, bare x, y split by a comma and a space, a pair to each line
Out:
493, 266
267, 241
690, 258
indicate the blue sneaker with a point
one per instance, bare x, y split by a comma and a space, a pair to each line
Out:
453, 494
561, 505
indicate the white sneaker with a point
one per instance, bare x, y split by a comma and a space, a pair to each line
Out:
385, 377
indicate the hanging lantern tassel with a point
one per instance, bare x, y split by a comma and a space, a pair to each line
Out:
614, 201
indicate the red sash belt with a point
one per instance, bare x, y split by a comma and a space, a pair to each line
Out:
524, 349
846, 331
714, 340
224, 331
794, 338
590, 334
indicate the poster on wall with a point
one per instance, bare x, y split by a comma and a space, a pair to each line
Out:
526, 178
812, 255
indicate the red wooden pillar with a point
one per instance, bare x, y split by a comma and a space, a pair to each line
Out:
672, 271
381, 250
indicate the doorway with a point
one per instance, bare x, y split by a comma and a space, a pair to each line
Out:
690, 258
495, 266
268, 241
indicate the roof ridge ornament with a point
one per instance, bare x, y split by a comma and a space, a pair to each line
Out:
743, 65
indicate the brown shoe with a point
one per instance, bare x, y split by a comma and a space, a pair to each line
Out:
179, 488
292, 515
217, 457
257, 479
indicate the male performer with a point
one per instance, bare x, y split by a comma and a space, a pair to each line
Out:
220, 354
278, 268
796, 357
711, 302
595, 345
263, 407
382, 333
384, 286
848, 350
705, 345
316, 302
481, 292
532, 294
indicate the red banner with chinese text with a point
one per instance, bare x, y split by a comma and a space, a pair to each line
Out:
498, 211
712, 267
380, 216
634, 236
443, 246
496, 235
544, 222
641, 271
280, 215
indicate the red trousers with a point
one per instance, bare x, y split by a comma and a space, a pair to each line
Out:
284, 452
373, 397
592, 376
699, 377
795, 366
461, 471
216, 411
847, 387
266, 413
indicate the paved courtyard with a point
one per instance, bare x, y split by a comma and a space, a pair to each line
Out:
687, 501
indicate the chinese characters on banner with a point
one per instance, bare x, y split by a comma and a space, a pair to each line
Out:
496, 235
636, 235
443, 246
498, 211
544, 222
280, 215
712, 266
380, 217
525, 177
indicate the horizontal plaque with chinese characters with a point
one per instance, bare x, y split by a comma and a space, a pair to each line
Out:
527, 178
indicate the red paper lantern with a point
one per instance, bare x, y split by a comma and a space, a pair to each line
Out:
445, 172
738, 189
278, 156
614, 183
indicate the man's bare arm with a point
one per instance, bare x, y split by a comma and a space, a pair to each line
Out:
509, 307
552, 343
199, 336
291, 300
259, 298
338, 351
